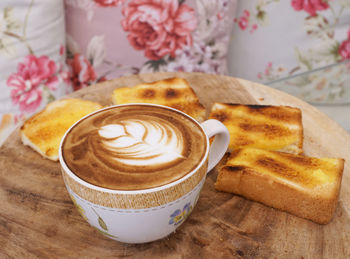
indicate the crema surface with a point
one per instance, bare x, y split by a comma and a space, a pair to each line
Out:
134, 147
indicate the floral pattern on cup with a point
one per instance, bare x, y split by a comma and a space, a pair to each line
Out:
80, 208
178, 216
103, 229
103, 226
101, 221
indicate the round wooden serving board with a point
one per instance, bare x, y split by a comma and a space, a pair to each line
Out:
38, 219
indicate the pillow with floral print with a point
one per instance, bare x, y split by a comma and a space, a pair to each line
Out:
110, 38
275, 40
32, 59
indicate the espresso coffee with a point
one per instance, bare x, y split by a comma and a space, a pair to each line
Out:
134, 147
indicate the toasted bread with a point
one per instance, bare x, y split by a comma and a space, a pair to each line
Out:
44, 130
307, 187
172, 92
267, 127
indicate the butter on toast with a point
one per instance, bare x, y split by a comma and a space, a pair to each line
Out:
307, 187
261, 126
173, 92
44, 130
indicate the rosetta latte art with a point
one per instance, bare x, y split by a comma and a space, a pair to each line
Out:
142, 143
134, 147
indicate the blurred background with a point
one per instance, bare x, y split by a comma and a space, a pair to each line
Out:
300, 47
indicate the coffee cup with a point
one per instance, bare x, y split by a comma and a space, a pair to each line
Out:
135, 171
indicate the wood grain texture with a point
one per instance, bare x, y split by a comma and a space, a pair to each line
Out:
38, 219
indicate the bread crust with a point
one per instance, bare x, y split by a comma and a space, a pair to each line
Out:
316, 203
44, 130
173, 92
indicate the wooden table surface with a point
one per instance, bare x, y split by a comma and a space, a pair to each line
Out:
38, 219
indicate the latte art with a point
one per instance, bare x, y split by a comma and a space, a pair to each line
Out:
134, 147
142, 143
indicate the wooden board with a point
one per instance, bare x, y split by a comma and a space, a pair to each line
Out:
38, 219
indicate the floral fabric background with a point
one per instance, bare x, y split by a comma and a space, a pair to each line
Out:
110, 38
276, 39
50, 48
32, 59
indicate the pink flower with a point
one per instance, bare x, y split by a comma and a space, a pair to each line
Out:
268, 68
108, 3
254, 28
82, 72
310, 6
158, 27
220, 15
243, 21
66, 76
246, 13
344, 48
62, 50
27, 84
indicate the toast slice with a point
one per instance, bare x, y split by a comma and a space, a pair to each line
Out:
173, 92
267, 127
44, 130
307, 187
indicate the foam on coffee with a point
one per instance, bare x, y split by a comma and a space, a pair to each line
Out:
134, 147
142, 143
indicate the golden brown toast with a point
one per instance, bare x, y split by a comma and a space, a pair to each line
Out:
261, 126
307, 187
173, 92
44, 130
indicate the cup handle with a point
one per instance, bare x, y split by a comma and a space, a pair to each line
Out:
221, 141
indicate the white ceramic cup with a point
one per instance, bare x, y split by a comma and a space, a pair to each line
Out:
140, 216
